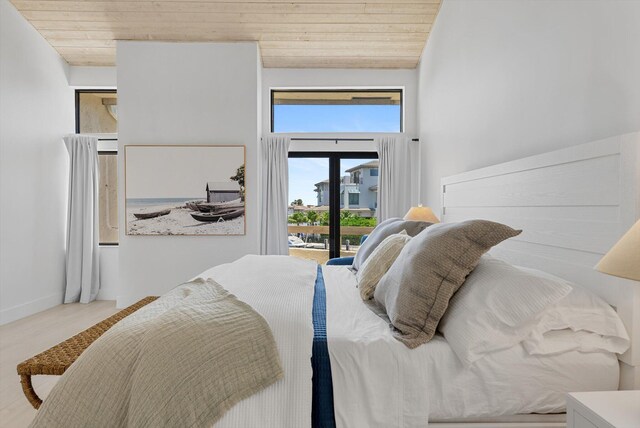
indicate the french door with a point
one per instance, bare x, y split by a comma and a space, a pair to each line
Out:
333, 202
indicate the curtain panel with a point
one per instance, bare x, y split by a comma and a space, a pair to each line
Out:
82, 261
399, 176
274, 189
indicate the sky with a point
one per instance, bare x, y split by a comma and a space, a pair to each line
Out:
305, 172
336, 118
178, 171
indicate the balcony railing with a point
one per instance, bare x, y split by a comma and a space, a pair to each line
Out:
317, 251
324, 230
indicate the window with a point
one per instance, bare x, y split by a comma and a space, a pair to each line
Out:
370, 110
373, 172
97, 114
354, 199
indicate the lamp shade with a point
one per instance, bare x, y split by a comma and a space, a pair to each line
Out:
421, 213
623, 259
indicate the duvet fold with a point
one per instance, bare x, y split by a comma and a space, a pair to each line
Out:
183, 360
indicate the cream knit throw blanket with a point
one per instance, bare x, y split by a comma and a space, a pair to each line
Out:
181, 361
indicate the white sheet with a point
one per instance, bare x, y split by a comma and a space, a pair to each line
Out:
280, 289
378, 382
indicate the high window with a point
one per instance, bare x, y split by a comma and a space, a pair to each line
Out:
318, 111
97, 114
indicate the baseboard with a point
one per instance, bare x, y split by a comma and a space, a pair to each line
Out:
29, 308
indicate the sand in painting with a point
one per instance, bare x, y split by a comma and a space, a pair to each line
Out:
178, 222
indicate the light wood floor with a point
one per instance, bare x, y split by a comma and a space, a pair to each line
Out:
24, 338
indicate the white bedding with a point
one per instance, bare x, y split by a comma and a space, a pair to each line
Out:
378, 382
281, 290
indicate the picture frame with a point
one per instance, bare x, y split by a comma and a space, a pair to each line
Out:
185, 190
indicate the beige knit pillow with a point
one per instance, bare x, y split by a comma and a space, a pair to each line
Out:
379, 262
415, 292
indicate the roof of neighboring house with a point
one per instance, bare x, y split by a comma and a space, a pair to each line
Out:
226, 186
374, 188
321, 182
371, 164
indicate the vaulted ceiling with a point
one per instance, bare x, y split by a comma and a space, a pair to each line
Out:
303, 33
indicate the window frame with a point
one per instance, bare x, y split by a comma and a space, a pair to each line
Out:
272, 92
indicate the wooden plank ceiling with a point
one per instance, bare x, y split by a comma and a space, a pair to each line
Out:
302, 33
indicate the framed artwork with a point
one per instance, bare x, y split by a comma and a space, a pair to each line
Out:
185, 190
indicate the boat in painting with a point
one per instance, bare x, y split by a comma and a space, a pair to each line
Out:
219, 216
193, 205
151, 214
206, 207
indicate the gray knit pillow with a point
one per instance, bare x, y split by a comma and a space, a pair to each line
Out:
386, 228
415, 292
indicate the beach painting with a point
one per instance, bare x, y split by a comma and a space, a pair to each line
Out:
185, 190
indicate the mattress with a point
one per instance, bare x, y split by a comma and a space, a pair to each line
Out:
377, 381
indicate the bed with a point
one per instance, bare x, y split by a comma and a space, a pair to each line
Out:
341, 366
573, 204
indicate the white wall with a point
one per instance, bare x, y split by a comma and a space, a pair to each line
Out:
92, 77
341, 78
501, 80
36, 111
185, 93
109, 272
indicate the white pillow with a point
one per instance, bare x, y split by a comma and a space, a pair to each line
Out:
379, 262
580, 321
559, 341
496, 308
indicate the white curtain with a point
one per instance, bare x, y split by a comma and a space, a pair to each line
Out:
82, 262
399, 177
274, 190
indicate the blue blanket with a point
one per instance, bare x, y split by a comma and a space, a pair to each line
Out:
322, 415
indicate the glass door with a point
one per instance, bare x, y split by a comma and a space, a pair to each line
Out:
358, 201
308, 210
333, 201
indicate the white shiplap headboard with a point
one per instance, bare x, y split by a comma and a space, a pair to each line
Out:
572, 205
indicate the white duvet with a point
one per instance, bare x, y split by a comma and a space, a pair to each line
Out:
281, 290
378, 382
